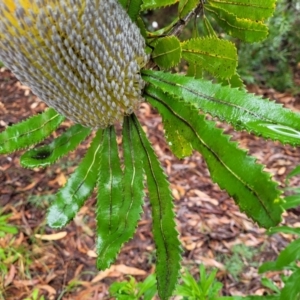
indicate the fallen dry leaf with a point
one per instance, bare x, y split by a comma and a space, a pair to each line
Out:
129, 270
10, 276
103, 274
51, 237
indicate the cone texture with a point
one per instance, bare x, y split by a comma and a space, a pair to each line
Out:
82, 57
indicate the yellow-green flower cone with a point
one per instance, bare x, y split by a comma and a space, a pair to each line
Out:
82, 57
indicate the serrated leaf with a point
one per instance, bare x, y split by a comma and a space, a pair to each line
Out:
219, 57
234, 81
153, 4
109, 198
129, 207
256, 10
167, 52
229, 166
186, 6
78, 188
164, 232
141, 25
244, 29
48, 154
132, 7
243, 110
29, 132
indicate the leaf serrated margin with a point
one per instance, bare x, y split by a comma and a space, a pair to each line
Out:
78, 187
109, 194
243, 110
29, 132
154, 4
164, 232
227, 163
48, 154
130, 208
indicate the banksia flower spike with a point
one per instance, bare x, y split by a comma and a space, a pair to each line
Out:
82, 57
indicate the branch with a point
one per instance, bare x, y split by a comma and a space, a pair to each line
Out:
179, 26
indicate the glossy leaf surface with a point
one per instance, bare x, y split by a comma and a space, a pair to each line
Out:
243, 110
78, 188
219, 57
29, 132
167, 52
244, 29
109, 195
164, 231
256, 10
129, 206
46, 155
252, 189
152, 4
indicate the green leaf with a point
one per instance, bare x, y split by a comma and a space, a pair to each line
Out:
153, 4
243, 110
132, 7
267, 266
291, 201
147, 287
291, 289
256, 10
290, 254
268, 297
270, 284
209, 31
284, 229
167, 52
141, 25
285, 259
29, 132
128, 207
252, 189
109, 198
219, 57
179, 145
78, 187
195, 71
164, 232
234, 81
186, 6
294, 172
46, 155
244, 29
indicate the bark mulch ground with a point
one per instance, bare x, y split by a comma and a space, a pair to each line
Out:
61, 263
